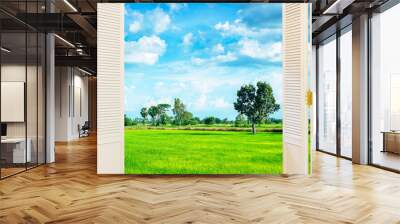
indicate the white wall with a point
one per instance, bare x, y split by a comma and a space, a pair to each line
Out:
70, 84
33, 126
17, 73
80, 105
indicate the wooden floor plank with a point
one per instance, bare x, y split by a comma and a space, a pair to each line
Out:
70, 191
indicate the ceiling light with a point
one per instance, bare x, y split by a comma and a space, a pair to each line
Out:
64, 40
5, 50
70, 5
338, 6
84, 71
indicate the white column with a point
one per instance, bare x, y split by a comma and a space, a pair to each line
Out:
360, 90
63, 103
50, 99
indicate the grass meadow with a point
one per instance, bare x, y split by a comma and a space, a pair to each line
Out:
173, 151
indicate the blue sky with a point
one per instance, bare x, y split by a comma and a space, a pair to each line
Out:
201, 53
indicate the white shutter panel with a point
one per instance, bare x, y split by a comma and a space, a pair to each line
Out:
110, 86
295, 49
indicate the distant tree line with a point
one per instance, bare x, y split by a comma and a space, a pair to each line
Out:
157, 115
239, 121
254, 104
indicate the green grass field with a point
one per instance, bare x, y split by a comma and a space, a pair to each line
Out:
202, 152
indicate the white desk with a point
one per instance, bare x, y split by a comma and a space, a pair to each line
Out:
19, 155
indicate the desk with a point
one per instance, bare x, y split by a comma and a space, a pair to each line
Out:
18, 150
391, 141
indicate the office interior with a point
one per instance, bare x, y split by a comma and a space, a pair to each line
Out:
48, 79
335, 68
45, 98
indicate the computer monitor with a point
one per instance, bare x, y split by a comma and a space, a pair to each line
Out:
3, 129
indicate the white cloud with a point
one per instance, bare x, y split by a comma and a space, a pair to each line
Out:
130, 87
254, 49
201, 102
135, 27
198, 61
200, 80
229, 56
201, 87
137, 23
218, 49
159, 19
175, 7
159, 86
153, 102
187, 40
240, 29
147, 50
129, 90
225, 57
220, 103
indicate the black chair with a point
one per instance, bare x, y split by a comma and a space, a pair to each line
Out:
84, 130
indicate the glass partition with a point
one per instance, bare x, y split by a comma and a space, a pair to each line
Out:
22, 78
13, 92
327, 96
346, 93
385, 89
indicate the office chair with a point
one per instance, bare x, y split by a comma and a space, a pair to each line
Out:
84, 130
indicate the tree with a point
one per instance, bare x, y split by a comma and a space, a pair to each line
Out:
158, 114
127, 121
209, 120
187, 117
240, 120
256, 103
178, 110
164, 119
193, 121
153, 112
196, 120
144, 113
162, 109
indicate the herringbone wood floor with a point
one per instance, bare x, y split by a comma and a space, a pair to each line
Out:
69, 191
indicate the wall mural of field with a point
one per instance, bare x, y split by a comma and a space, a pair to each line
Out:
203, 88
